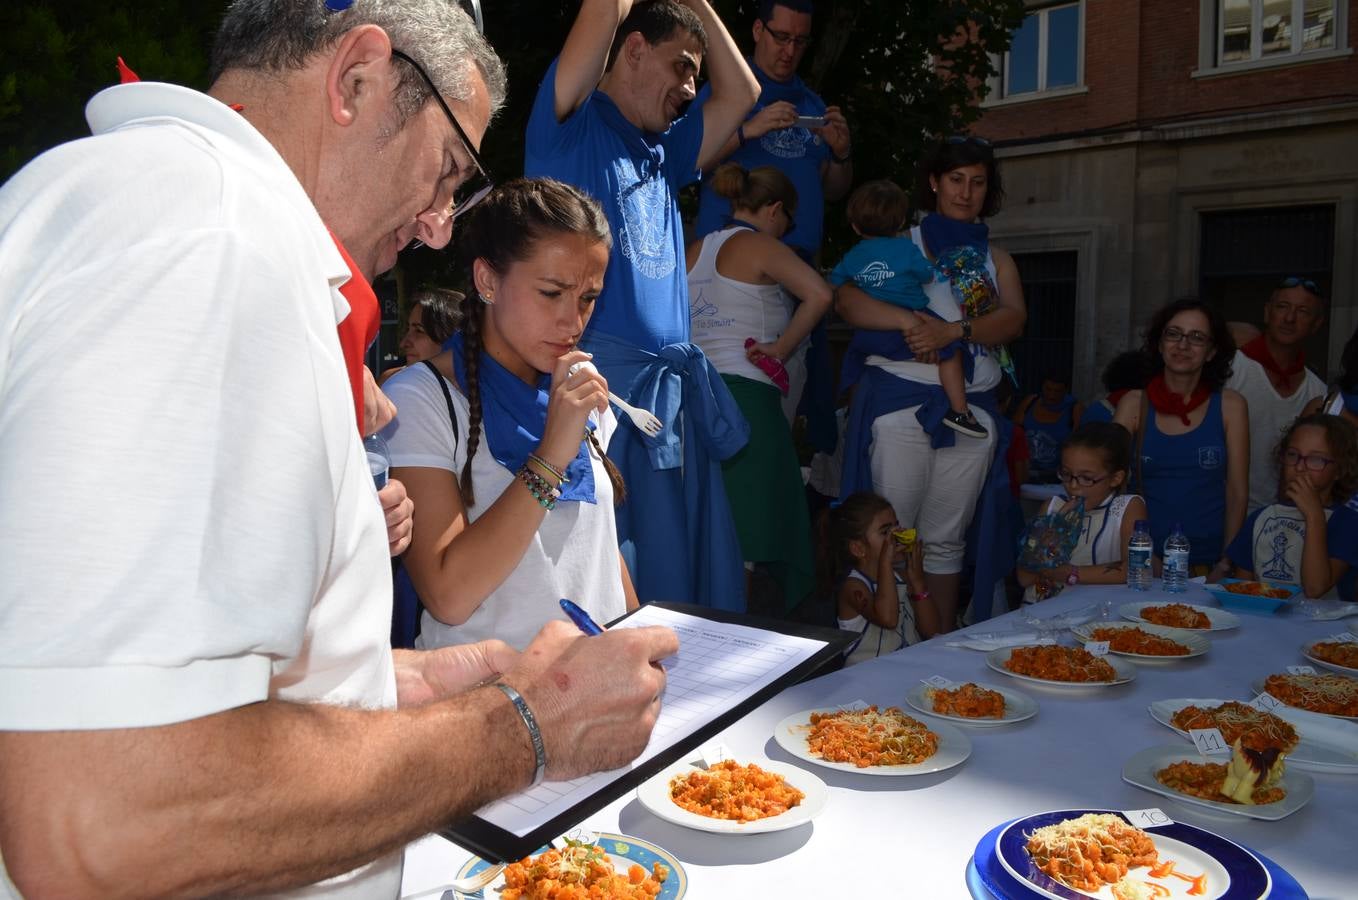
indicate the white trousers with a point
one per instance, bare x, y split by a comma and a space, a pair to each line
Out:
932, 490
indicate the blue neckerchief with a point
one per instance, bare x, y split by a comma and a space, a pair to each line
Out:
941, 233
513, 415
771, 91
1350, 401
649, 154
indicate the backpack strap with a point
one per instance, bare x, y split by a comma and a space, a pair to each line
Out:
447, 398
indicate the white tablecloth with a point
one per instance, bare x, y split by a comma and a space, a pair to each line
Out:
913, 836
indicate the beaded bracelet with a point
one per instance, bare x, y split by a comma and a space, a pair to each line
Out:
920, 597
544, 493
550, 469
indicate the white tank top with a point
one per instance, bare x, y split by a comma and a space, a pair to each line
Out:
724, 313
1100, 534
987, 372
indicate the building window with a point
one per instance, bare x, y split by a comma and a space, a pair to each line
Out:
1046, 53
1263, 30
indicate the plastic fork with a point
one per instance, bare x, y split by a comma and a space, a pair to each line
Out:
649, 424
459, 888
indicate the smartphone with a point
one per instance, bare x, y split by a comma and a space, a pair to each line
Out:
811, 121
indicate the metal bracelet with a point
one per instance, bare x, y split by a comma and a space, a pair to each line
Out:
534, 735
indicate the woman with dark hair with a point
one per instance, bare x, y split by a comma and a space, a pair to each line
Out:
742, 281
507, 529
433, 317
1128, 371
1342, 399
895, 444
1191, 434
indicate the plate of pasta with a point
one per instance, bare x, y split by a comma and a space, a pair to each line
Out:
730, 797
972, 703
612, 865
1311, 741
1058, 666
1144, 642
1180, 773
1338, 656
1050, 855
869, 740
1180, 615
1329, 694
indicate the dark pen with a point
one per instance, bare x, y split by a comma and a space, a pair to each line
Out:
581, 618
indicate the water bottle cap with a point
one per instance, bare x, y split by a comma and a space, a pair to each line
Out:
1142, 525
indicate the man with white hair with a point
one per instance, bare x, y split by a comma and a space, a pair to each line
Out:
196, 692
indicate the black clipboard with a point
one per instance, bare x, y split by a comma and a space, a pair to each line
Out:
493, 843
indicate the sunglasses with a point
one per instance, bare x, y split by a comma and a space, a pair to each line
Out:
1306, 284
474, 185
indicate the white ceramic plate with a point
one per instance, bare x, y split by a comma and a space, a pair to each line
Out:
1124, 671
1306, 652
1017, 706
953, 747
1141, 768
1325, 745
1258, 687
1221, 619
654, 794
1195, 642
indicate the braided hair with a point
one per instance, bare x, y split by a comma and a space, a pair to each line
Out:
501, 230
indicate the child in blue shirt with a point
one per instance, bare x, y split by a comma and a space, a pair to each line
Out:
889, 267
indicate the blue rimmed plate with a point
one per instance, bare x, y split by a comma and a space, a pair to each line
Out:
1233, 873
1278, 595
623, 850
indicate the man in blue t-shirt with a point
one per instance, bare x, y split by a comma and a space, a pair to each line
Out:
607, 119
816, 159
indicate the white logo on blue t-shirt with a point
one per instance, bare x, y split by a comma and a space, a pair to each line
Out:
786, 143
1277, 547
1209, 457
874, 274
645, 208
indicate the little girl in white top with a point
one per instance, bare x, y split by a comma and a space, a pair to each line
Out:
871, 599
1094, 466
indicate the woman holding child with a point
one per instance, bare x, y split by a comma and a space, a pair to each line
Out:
897, 443
500, 440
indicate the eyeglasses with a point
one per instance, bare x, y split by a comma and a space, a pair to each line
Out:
958, 139
784, 38
791, 222
1068, 477
1307, 284
1178, 336
1313, 461
474, 185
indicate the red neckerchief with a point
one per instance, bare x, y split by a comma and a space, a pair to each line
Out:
1116, 396
358, 329
1257, 350
1163, 400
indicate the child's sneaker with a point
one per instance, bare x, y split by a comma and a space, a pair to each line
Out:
965, 424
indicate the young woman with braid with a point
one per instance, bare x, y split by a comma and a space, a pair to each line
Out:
502, 447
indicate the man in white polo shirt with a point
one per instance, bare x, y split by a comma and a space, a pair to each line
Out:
1270, 372
196, 693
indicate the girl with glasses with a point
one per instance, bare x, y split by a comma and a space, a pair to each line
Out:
1095, 459
1300, 540
1191, 440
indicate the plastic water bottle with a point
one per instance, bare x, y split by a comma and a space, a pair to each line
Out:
1176, 561
1139, 550
379, 459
